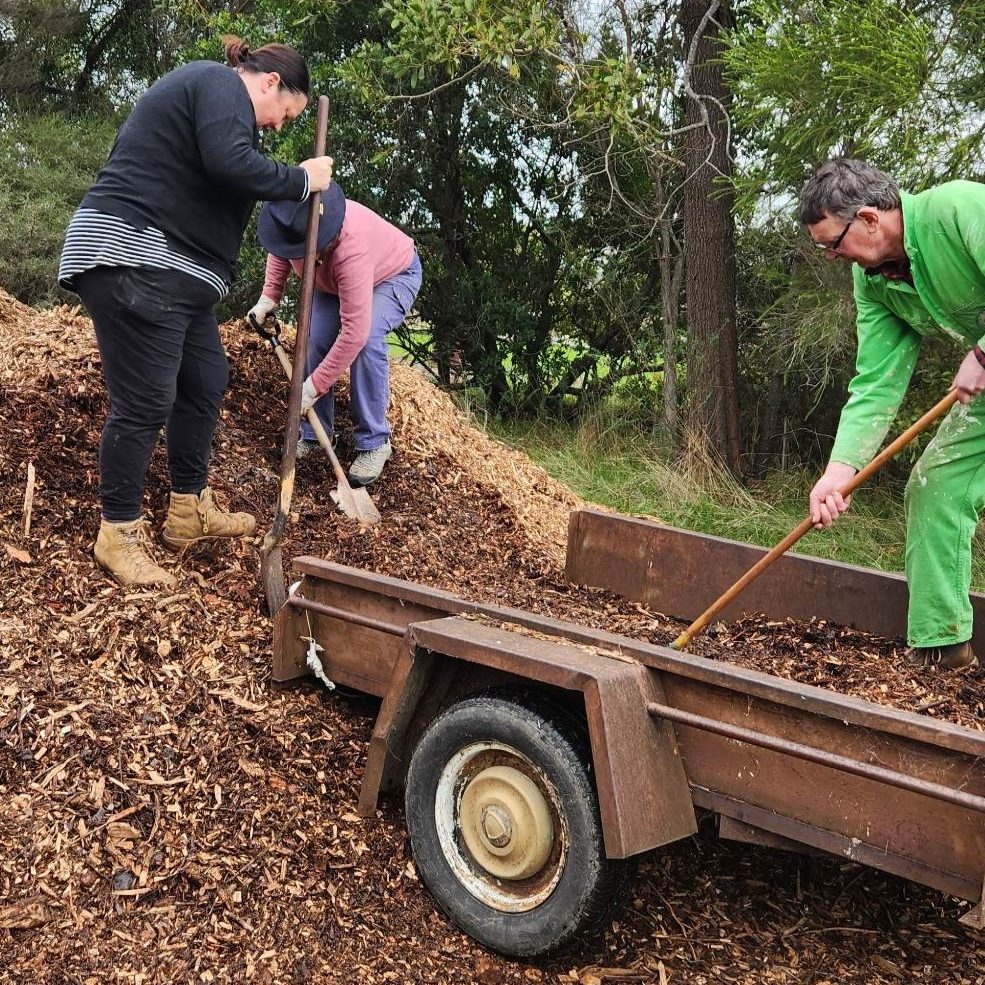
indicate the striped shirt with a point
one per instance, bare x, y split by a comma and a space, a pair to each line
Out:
98, 239
183, 178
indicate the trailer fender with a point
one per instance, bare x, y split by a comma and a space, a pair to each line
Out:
644, 797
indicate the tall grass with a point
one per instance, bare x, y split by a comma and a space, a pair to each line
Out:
616, 466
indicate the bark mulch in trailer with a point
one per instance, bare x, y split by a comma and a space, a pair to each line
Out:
166, 816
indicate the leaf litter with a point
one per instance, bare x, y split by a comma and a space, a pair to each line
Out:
166, 815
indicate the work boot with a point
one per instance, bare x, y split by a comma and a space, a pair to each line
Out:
192, 518
369, 464
953, 656
123, 549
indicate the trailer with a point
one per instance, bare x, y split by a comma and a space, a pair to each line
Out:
539, 758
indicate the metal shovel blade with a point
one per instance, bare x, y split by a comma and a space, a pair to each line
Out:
353, 502
357, 503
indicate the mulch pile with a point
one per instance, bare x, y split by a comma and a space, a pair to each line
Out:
168, 816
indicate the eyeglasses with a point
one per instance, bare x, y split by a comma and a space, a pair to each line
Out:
833, 247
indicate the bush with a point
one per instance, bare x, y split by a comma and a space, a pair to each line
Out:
48, 163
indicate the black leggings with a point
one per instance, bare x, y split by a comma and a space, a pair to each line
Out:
164, 366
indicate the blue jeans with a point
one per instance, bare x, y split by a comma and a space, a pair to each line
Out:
369, 375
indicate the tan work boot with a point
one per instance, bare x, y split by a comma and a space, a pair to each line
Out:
953, 656
123, 549
192, 518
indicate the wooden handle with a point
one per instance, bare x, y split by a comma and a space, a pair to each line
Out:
937, 411
304, 304
323, 439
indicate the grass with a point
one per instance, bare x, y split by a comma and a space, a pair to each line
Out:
627, 472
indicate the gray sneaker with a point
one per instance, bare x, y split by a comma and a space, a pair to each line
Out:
306, 447
369, 464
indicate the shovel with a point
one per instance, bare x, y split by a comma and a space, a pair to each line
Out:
354, 502
937, 411
271, 560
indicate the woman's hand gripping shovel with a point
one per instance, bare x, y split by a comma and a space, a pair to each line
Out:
937, 411
353, 502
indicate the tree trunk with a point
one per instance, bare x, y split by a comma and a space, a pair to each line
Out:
98, 45
455, 311
671, 269
712, 407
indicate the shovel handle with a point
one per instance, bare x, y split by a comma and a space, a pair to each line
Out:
271, 565
305, 299
935, 413
316, 425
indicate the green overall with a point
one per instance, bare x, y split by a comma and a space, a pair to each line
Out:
944, 239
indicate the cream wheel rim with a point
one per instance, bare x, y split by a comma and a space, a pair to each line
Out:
506, 823
500, 826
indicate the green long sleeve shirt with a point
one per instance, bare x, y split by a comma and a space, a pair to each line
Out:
944, 238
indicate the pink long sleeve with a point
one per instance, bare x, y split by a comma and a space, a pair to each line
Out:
369, 251
354, 286
275, 277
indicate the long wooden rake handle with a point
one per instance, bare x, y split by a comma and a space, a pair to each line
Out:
935, 412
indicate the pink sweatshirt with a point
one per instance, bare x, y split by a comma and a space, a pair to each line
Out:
369, 250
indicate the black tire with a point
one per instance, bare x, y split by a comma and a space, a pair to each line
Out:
520, 735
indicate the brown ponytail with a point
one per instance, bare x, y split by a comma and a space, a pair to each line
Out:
279, 58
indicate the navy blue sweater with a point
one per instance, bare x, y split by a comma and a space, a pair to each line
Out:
187, 163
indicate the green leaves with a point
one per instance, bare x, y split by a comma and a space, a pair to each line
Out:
47, 162
894, 83
879, 80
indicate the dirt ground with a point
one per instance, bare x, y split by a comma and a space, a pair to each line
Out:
166, 815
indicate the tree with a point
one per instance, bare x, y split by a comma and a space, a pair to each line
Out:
47, 163
709, 237
895, 83
82, 56
67, 70
590, 178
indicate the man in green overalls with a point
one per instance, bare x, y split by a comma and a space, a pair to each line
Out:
918, 263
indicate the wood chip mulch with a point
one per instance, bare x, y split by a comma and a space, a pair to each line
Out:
168, 816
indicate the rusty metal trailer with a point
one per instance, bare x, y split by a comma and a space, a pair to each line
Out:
538, 756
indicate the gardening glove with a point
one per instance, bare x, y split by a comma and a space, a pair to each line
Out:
309, 396
262, 310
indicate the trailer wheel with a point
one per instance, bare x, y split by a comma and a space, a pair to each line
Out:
504, 823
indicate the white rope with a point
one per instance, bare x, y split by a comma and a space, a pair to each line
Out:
314, 648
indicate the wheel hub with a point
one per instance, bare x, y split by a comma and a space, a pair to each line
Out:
496, 826
506, 823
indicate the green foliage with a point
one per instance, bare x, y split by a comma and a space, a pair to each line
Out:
531, 149
882, 80
507, 141
48, 163
81, 55
797, 345
443, 38
516, 130
33, 48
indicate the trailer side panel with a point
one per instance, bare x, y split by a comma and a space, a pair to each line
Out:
681, 573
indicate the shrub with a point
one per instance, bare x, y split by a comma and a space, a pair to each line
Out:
47, 163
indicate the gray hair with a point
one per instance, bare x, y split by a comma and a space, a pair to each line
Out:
841, 186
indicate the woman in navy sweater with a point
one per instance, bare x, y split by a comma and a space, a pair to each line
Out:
150, 250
